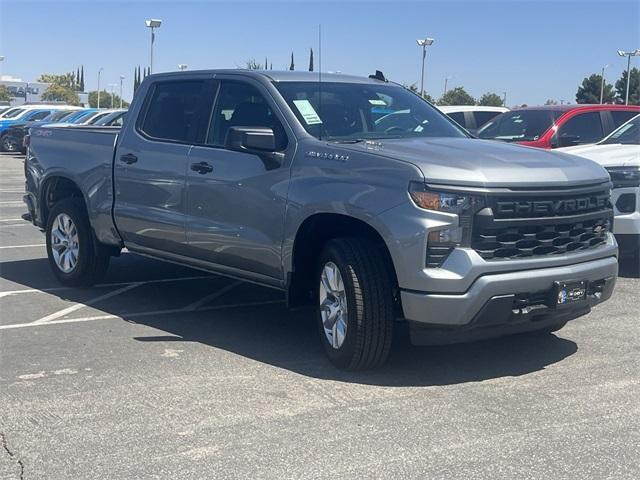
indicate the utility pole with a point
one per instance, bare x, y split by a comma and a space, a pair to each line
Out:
121, 79
99, 73
152, 24
622, 53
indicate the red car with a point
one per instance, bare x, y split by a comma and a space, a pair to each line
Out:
553, 126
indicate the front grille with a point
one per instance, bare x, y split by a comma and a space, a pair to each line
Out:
519, 234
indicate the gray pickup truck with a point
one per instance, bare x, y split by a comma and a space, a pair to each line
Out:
350, 194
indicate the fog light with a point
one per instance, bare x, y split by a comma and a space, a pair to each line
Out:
626, 203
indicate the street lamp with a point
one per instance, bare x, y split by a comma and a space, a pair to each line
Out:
622, 53
602, 83
99, 73
182, 67
424, 43
152, 24
446, 80
113, 87
121, 79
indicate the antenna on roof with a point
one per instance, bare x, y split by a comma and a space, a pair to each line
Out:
378, 76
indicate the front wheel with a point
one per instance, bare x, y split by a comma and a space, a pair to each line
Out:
355, 304
75, 258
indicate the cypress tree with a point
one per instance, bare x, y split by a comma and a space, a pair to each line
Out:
292, 66
82, 78
311, 61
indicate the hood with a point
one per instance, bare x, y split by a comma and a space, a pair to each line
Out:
608, 155
486, 163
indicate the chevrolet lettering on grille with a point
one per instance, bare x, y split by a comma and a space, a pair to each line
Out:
553, 207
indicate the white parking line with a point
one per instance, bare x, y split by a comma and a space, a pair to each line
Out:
12, 220
14, 203
102, 285
137, 314
78, 306
204, 300
23, 246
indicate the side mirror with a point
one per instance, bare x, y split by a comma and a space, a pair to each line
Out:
568, 140
251, 139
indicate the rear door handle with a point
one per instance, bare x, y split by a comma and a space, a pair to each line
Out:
201, 167
129, 158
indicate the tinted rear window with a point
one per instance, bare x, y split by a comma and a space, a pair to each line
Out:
484, 117
458, 117
173, 111
621, 117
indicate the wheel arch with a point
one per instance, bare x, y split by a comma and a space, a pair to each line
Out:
311, 236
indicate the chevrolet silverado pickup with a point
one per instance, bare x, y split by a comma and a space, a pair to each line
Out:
352, 195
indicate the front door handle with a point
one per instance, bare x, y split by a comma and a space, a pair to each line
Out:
201, 167
129, 158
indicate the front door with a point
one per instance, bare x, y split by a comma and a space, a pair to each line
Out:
236, 200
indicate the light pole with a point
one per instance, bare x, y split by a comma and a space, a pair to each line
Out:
113, 87
152, 23
504, 99
424, 43
182, 67
602, 83
446, 80
622, 53
99, 73
121, 79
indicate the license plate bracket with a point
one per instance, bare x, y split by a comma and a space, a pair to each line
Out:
569, 293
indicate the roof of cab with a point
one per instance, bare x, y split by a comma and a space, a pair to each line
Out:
279, 76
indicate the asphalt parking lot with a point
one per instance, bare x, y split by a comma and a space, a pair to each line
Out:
167, 372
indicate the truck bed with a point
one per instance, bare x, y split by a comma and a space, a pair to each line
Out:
82, 155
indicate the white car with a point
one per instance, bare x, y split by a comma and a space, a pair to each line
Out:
619, 153
471, 117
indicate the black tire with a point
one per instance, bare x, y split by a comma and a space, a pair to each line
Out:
370, 306
92, 262
9, 143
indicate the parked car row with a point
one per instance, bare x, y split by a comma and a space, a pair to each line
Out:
15, 122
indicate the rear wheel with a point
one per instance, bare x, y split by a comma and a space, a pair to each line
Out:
75, 258
9, 143
355, 304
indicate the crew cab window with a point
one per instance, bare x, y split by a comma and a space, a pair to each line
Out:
458, 117
585, 128
39, 115
173, 111
622, 116
241, 105
484, 117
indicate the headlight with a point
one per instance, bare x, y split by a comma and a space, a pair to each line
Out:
441, 242
624, 176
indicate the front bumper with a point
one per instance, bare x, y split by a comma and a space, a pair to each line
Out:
508, 302
626, 223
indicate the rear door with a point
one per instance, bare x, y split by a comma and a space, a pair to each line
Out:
151, 164
236, 200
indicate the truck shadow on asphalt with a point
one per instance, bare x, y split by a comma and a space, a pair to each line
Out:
267, 332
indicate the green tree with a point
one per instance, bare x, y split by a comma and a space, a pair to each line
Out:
551, 101
65, 80
634, 87
311, 60
59, 93
292, 66
82, 78
105, 100
490, 99
589, 90
457, 96
78, 80
5, 96
251, 64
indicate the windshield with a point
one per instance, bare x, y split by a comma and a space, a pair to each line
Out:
627, 134
13, 113
356, 111
519, 125
56, 116
84, 117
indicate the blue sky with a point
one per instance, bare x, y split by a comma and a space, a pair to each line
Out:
533, 50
